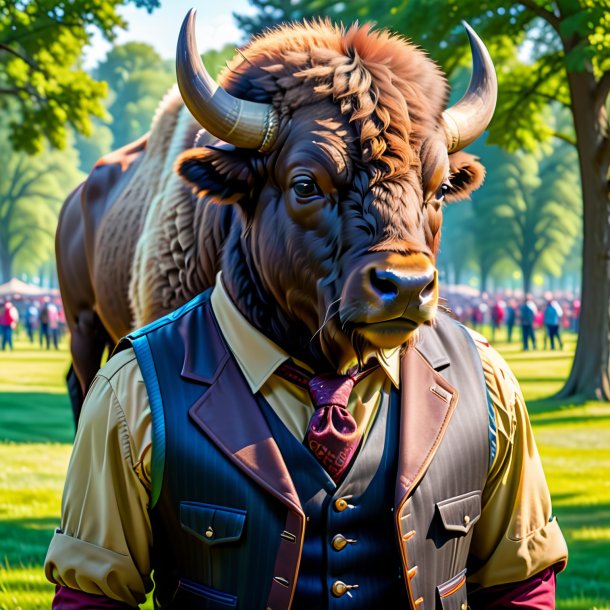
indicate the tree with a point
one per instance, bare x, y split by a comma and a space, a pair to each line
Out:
41, 42
32, 189
457, 249
526, 213
532, 211
137, 79
546, 50
91, 148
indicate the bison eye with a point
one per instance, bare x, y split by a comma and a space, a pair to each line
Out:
305, 187
442, 191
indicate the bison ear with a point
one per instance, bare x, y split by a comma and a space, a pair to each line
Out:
466, 174
224, 172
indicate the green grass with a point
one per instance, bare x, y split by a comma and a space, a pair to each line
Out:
36, 431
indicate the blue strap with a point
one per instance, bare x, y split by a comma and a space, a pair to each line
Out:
491, 412
147, 366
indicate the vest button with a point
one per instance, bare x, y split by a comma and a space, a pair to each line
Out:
466, 519
339, 588
341, 504
209, 533
339, 542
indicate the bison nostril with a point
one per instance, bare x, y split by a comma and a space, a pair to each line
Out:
384, 287
428, 291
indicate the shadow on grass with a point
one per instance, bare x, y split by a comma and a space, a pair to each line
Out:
588, 551
538, 406
35, 417
25, 541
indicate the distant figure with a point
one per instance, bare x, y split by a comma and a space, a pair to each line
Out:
44, 323
528, 313
497, 317
8, 322
61, 320
510, 315
53, 316
553, 314
32, 321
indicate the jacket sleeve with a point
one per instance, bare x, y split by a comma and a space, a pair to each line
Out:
517, 536
102, 547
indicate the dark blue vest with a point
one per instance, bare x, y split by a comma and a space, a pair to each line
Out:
352, 545
243, 516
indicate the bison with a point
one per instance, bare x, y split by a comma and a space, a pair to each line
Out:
314, 175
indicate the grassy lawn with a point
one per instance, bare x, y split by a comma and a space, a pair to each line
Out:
36, 431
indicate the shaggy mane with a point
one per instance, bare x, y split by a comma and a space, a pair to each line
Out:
389, 88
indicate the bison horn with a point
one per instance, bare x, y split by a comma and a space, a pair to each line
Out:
242, 123
466, 120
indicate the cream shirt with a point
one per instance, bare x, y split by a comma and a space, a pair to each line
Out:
103, 545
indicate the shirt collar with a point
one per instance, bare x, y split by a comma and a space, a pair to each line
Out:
257, 356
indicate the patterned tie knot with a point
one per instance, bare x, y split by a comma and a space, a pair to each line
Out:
330, 389
332, 434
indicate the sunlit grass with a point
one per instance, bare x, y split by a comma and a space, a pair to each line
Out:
36, 425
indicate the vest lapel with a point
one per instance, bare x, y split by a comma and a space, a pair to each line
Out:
427, 403
227, 412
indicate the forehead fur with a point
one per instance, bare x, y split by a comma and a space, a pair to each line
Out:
388, 88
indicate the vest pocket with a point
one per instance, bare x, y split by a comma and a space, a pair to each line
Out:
192, 595
452, 594
212, 524
459, 514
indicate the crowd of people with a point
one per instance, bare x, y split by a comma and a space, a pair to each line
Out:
42, 319
519, 316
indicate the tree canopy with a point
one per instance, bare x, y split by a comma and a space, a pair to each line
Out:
32, 189
41, 79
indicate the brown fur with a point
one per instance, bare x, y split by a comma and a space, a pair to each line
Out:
366, 105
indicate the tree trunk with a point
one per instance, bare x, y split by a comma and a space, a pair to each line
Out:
589, 377
483, 277
526, 272
6, 267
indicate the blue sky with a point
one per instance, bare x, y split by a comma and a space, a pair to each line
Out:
215, 26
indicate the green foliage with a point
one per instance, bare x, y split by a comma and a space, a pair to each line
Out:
32, 189
216, 59
91, 148
41, 42
526, 213
137, 79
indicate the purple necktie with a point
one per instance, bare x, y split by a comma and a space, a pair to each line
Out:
332, 433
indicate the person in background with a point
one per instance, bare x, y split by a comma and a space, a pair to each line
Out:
61, 320
528, 312
497, 317
44, 323
8, 322
53, 316
553, 313
31, 319
510, 315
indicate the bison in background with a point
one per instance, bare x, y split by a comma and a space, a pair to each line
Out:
318, 180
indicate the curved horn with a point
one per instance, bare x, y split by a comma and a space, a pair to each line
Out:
242, 123
466, 120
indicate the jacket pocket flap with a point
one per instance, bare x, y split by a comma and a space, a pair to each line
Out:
459, 514
452, 594
212, 524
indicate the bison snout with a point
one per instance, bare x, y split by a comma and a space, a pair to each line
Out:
398, 291
391, 284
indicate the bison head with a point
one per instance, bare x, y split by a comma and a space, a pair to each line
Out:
337, 153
